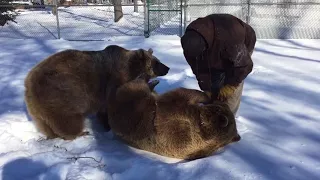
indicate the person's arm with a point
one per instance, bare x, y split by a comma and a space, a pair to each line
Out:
217, 82
239, 65
211, 81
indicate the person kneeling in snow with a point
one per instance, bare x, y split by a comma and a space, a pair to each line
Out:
218, 49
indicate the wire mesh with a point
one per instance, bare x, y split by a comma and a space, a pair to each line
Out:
164, 17
97, 22
286, 21
195, 11
271, 19
94, 19
74, 22
31, 22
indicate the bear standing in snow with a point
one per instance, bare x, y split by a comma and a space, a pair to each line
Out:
173, 124
66, 87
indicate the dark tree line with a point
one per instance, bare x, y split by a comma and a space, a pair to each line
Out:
6, 12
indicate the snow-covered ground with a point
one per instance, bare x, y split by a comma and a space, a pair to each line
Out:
279, 119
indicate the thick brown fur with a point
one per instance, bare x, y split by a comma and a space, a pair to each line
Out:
174, 124
67, 86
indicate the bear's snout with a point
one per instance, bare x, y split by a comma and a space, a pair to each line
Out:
236, 138
161, 69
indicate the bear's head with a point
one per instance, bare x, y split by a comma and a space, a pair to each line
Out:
126, 65
145, 65
218, 123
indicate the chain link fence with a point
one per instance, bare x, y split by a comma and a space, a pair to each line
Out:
31, 22
164, 17
271, 19
286, 19
97, 22
94, 19
75, 20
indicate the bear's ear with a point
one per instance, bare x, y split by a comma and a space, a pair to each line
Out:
223, 121
150, 50
140, 54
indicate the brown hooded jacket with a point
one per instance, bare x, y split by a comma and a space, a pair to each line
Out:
218, 48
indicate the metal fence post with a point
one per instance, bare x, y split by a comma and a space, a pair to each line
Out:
185, 15
57, 18
181, 16
146, 19
248, 11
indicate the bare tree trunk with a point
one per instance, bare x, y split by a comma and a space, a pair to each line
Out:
135, 2
118, 14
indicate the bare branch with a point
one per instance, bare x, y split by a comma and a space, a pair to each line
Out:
76, 158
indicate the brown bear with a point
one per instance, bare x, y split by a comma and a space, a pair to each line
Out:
67, 86
176, 124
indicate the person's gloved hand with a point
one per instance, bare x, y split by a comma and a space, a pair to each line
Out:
226, 92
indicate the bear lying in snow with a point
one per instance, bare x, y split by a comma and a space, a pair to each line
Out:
173, 124
64, 88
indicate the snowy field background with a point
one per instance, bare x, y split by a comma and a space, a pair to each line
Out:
84, 23
278, 119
